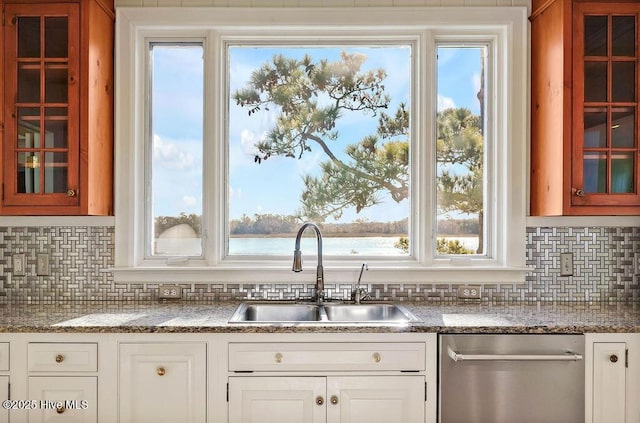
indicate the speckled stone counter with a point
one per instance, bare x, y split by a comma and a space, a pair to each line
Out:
189, 317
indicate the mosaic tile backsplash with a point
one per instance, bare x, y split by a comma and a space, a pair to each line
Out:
80, 256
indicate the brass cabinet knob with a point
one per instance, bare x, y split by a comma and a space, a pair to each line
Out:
278, 358
377, 358
319, 400
60, 410
161, 371
579, 192
59, 358
334, 399
71, 192
613, 358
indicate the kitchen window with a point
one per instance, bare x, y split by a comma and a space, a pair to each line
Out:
406, 142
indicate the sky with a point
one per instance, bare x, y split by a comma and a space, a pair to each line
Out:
274, 186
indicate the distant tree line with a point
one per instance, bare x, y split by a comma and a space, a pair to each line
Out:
274, 224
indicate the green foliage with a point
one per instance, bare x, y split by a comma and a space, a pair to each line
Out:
447, 246
375, 164
402, 244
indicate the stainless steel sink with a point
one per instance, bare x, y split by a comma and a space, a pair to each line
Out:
368, 313
277, 312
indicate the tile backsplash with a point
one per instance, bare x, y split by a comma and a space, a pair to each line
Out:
603, 266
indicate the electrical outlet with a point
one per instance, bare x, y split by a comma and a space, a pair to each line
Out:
566, 264
19, 264
469, 292
169, 292
42, 264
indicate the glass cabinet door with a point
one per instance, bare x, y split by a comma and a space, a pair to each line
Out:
41, 97
605, 135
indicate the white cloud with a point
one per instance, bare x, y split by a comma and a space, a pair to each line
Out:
170, 156
445, 103
189, 200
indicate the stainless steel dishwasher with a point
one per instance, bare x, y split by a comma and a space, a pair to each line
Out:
511, 378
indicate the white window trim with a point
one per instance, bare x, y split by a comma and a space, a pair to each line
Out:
506, 26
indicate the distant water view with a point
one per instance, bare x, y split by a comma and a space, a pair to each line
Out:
338, 246
376, 246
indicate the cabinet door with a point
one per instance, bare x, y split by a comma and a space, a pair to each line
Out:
162, 383
609, 382
606, 143
376, 399
41, 104
64, 399
277, 400
4, 395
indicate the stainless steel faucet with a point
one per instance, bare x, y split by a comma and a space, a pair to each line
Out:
297, 259
359, 293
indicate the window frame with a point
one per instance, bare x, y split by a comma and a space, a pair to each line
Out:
503, 27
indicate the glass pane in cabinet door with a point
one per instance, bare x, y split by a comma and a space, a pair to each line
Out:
623, 127
55, 35
56, 88
595, 35
28, 83
55, 174
595, 128
623, 82
595, 81
624, 36
28, 127
28, 180
622, 173
28, 37
56, 128
595, 172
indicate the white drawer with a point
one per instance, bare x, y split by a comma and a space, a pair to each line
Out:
62, 357
356, 356
4, 356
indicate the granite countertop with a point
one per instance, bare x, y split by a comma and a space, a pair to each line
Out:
193, 317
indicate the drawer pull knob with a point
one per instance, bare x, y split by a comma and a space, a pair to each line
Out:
377, 358
161, 371
613, 358
319, 400
334, 399
278, 358
60, 410
59, 358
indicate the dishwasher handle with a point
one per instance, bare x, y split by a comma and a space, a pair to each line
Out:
568, 356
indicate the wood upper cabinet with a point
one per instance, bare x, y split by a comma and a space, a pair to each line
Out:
585, 143
57, 116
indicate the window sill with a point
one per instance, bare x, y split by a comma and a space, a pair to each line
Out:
282, 274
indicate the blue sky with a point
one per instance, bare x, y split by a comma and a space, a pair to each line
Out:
274, 185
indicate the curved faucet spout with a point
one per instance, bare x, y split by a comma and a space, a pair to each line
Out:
297, 258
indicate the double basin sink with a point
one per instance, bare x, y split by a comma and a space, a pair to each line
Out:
279, 312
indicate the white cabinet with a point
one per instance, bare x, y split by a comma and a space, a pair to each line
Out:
162, 382
376, 399
4, 394
339, 399
331, 378
612, 378
277, 399
63, 399
60, 382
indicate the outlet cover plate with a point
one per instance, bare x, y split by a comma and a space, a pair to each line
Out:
19, 264
566, 264
169, 292
42, 265
469, 292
